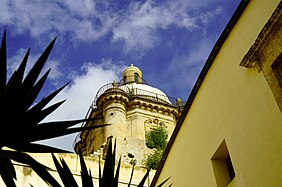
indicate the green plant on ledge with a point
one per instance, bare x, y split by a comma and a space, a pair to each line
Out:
156, 139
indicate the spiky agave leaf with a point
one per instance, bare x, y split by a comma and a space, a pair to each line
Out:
115, 180
64, 172
21, 118
20, 96
107, 179
85, 176
7, 170
160, 185
108, 170
142, 182
131, 175
40, 169
66, 175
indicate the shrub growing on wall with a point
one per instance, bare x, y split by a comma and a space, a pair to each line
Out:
155, 139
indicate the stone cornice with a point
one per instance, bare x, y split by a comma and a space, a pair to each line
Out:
142, 103
131, 102
110, 97
252, 59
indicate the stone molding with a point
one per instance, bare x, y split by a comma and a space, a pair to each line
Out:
265, 53
153, 123
253, 58
136, 102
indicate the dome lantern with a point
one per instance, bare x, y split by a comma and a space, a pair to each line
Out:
132, 74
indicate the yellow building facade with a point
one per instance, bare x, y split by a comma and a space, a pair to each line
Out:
230, 131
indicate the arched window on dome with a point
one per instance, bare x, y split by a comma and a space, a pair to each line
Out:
136, 77
124, 79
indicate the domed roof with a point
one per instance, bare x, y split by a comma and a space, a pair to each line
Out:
147, 91
133, 84
133, 81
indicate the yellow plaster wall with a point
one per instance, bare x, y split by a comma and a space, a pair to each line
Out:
235, 104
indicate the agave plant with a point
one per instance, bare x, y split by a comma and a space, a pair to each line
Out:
21, 117
109, 177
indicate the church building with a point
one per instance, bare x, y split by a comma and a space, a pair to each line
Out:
132, 108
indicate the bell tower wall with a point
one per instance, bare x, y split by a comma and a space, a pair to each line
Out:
115, 115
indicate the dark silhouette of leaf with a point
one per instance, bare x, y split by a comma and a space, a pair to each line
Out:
64, 172
40, 169
142, 182
131, 175
43, 103
37, 148
7, 170
13, 88
69, 175
63, 132
115, 181
35, 90
108, 171
38, 66
17, 77
60, 171
86, 179
160, 185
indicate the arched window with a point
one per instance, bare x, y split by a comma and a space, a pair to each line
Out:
136, 77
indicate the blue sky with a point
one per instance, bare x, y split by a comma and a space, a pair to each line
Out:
96, 39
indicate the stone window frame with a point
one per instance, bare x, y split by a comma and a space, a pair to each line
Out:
266, 52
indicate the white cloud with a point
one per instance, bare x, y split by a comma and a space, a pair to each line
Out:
15, 61
137, 26
78, 18
5, 13
138, 29
80, 94
84, 8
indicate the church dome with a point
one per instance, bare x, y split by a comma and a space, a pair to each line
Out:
144, 90
132, 79
133, 85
